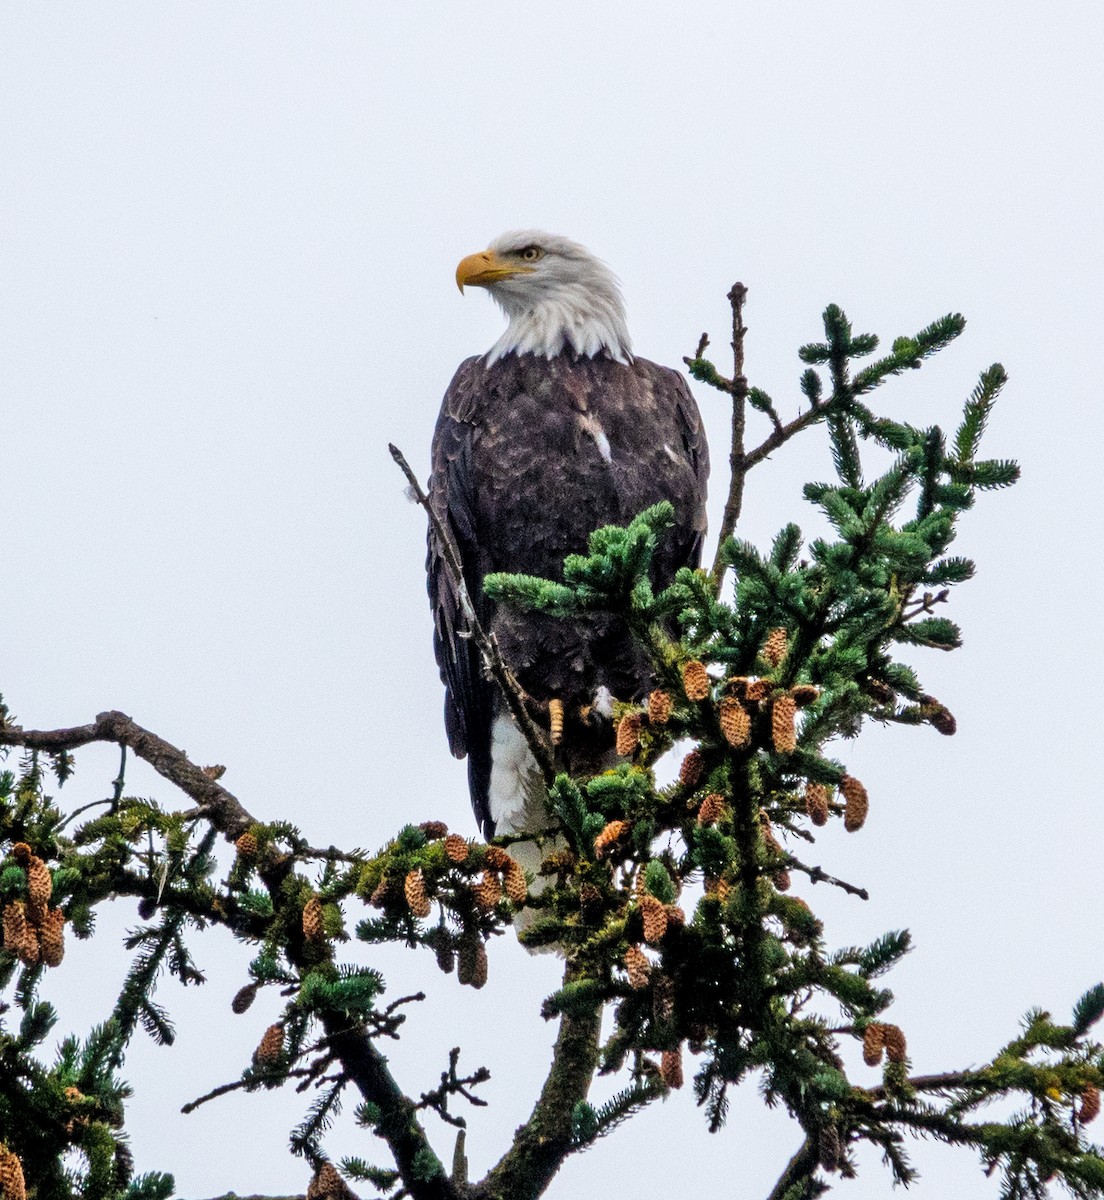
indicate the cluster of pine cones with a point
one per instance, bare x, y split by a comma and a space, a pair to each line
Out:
33, 931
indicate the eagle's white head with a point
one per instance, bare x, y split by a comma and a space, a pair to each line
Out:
555, 293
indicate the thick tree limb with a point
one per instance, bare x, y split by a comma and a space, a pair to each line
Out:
800, 1167
543, 1143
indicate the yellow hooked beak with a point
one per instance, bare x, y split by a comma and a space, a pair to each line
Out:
487, 267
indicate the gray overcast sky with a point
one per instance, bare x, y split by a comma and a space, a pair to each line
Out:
229, 235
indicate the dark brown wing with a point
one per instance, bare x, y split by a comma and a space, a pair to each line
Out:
469, 696
530, 455
692, 530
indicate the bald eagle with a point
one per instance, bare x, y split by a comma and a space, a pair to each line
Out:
555, 431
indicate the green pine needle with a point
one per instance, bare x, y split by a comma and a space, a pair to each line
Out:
976, 412
1088, 1010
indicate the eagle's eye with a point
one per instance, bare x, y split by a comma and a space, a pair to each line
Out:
531, 253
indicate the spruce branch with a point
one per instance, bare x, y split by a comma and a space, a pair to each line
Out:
363, 1064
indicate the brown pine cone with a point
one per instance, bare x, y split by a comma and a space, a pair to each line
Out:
659, 707
816, 803
496, 858
441, 941
782, 880
609, 836
488, 891
637, 964
314, 929
51, 937
379, 897
271, 1046
555, 720
456, 848
712, 809
1090, 1104
472, 961
247, 845
433, 829
691, 770
938, 716
628, 734
327, 1184
775, 647
514, 883
895, 1046
695, 680
675, 914
874, 1040
857, 803
670, 1068
756, 690
15, 925
444, 952
414, 889
244, 997
804, 694
30, 953
944, 722
654, 916
783, 733
40, 887
22, 853
12, 1184
735, 722
20, 936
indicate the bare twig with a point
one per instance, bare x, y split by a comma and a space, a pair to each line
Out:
816, 875
488, 646
737, 457
226, 1088
218, 806
924, 605
452, 1084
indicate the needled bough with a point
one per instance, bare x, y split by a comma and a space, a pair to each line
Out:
766, 685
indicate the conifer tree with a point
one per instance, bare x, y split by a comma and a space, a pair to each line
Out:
670, 905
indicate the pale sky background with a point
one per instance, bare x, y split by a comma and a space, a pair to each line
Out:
229, 232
